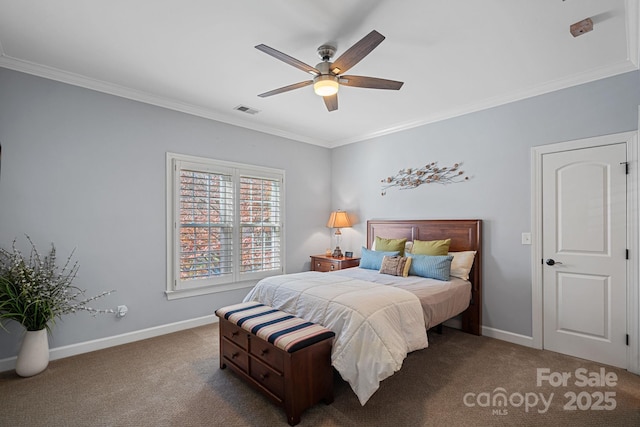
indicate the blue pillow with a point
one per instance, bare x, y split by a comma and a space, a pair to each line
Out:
433, 267
372, 260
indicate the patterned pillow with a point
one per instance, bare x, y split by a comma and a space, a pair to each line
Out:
372, 260
396, 265
432, 267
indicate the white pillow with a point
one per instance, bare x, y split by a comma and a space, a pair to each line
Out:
462, 263
408, 247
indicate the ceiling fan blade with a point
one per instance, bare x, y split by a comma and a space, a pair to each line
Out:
286, 88
288, 59
331, 102
370, 82
355, 53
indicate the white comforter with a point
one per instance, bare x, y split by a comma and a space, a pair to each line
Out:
375, 325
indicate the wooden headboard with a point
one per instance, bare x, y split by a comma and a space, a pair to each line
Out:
465, 235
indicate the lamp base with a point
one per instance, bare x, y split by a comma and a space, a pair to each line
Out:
337, 252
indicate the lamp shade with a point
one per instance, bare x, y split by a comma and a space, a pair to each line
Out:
338, 219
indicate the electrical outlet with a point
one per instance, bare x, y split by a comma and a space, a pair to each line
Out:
526, 238
122, 311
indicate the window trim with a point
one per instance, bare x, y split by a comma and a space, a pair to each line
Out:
239, 280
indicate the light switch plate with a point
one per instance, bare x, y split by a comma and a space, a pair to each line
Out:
526, 238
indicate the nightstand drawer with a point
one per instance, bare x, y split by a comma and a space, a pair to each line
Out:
324, 266
325, 263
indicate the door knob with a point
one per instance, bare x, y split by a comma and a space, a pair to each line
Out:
551, 261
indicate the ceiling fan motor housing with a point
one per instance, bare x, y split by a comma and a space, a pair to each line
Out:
326, 52
324, 68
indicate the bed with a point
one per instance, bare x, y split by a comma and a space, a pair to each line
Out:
465, 235
377, 322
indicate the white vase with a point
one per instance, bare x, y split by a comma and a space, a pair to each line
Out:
33, 356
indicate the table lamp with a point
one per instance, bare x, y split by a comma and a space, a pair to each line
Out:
338, 219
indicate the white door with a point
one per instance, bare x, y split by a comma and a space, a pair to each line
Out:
584, 249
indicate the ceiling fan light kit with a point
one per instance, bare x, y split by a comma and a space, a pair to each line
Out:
325, 85
328, 75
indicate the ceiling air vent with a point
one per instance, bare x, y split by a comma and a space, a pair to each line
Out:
246, 109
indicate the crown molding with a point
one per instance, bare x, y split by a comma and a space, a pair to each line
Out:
144, 97
631, 64
552, 86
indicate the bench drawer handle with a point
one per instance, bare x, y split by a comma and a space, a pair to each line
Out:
234, 334
264, 351
264, 376
234, 355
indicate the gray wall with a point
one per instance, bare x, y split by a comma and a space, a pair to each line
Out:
494, 146
86, 170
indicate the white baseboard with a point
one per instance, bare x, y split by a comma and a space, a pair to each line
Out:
99, 344
456, 322
507, 336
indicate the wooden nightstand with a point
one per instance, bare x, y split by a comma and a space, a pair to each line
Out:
328, 263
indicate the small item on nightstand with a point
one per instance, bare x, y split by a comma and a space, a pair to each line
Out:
328, 252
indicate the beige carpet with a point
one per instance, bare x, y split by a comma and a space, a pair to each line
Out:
175, 380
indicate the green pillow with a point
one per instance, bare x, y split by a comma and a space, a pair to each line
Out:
431, 247
390, 245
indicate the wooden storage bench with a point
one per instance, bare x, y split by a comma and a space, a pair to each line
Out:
285, 357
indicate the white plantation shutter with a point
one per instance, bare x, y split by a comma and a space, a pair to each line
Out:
224, 222
260, 232
206, 225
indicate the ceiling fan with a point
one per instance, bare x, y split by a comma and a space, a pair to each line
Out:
327, 75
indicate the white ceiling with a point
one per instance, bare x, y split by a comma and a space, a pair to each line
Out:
198, 56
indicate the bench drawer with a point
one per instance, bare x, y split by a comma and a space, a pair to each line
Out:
235, 355
268, 354
235, 334
269, 378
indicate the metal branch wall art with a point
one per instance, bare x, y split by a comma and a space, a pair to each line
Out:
431, 173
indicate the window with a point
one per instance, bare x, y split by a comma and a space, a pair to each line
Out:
224, 225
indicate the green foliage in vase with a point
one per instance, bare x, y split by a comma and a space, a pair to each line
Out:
35, 292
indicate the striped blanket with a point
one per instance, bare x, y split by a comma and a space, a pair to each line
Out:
281, 329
